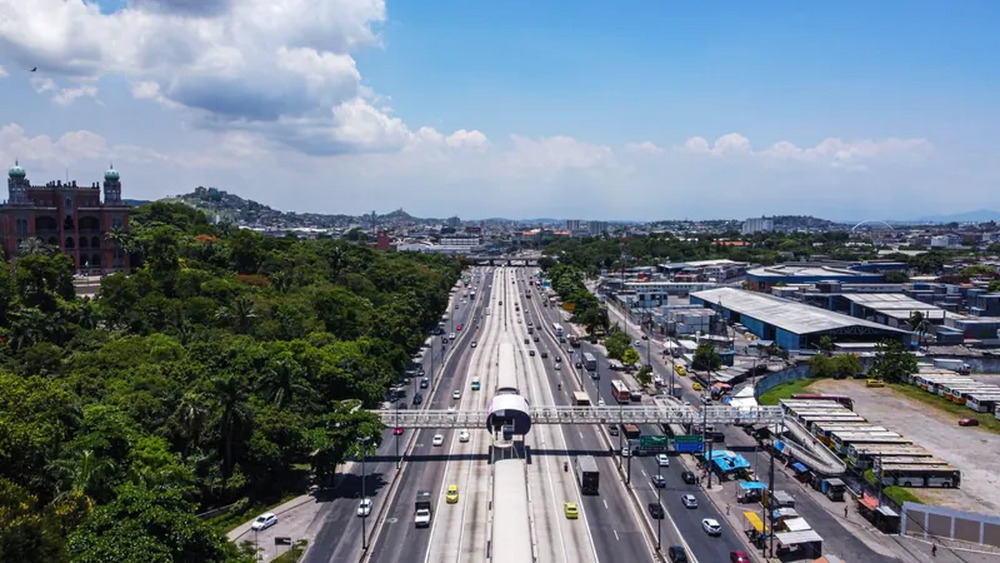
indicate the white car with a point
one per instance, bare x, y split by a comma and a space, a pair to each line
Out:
690, 502
451, 336
456, 394
626, 452
463, 436
264, 521
662, 460
600, 402
711, 527
438, 440
558, 368
365, 507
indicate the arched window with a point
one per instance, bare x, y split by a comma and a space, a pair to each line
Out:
95, 242
83, 242
69, 242
68, 223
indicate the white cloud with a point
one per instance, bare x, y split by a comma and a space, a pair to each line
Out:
645, 147
557, 153
281, 68
3, 72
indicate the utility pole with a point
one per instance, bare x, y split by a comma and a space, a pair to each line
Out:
659, 521
621, 291
399, 460
770, 494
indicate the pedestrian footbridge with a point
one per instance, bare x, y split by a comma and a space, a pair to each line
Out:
646, 414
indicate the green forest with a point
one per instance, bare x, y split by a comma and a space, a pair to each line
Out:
227, 368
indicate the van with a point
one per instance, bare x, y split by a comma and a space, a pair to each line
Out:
475, 384
874, 383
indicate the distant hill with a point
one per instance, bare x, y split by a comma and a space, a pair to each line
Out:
135, 202
977, 216
221, 205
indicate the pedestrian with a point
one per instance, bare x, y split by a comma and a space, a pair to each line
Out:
727, 509
845, 512
934, 549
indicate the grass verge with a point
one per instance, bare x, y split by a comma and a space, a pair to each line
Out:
292, 555
987, 421
785, 391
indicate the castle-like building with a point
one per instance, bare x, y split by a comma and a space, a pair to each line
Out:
68, 217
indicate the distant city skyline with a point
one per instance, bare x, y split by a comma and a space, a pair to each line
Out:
587, 110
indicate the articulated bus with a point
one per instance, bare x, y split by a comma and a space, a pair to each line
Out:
589, 362
840, 399
620, 391
558, 329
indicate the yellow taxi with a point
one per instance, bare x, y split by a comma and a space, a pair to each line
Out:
451, 497
874, 383
680, 369
696, 386
571, 511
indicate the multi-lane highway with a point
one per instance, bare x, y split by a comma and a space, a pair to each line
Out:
339, 535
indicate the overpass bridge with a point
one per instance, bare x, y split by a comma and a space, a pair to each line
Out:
651, 414
510, 261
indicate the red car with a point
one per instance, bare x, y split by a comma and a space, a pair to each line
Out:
397, 431
968, 422
459, 327
739, 557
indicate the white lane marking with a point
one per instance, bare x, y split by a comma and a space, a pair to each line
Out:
616, 535
581, 435
605, 504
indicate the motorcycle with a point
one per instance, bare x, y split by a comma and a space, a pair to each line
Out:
560, 386
565, 466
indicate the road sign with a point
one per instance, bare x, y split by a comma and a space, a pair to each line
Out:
689, 443
282, 541
653, 444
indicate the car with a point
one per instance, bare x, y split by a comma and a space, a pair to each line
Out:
711, 526
558, 367
638, 342
456, 394
438, 440
739, 556
463, 436
689, 501
571, 511
545, 354
655, 510
578, 365
659, 481
688, 477
452, 336
531, 353
401, 406
397, 431
645, 337
600, 402
677, 554
558, 359
425, 382
458, 327
451, 496
365, 507
626, 452
662, 460
473, 345
534, 338
612, 428
968, 422
476, 385
418, 398
527, 340
264, 521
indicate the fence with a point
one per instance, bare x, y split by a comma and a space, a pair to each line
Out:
784, 376
927, 522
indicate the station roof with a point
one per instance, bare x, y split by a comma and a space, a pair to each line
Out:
792, 316
807, 271
895, 305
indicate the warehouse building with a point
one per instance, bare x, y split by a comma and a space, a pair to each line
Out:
763, 279
790, 324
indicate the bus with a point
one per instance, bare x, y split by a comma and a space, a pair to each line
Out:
589, 362
588, 474
839, 399
557, 328
620, 391
581, 399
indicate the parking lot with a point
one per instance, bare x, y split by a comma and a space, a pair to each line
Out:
975, 452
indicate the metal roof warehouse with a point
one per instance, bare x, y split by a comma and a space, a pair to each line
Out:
792, 325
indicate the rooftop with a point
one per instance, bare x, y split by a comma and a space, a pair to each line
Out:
810, 271
792, 316
895, 305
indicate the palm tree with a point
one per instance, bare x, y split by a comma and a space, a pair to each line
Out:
31, 246
918, 324
283, 379
121, 238
192, 414
240, 314
29, 326
83, 474
230, 395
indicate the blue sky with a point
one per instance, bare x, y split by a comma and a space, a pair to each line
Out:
625, 110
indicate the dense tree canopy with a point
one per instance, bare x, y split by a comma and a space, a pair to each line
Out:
217, 371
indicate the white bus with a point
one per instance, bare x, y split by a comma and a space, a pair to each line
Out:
620, 391
558, 329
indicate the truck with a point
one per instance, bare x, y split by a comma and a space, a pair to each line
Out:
422, 509
588, 474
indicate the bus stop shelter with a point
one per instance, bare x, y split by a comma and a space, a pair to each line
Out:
808, 541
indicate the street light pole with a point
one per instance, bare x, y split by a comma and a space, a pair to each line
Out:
364, 528
659, 521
